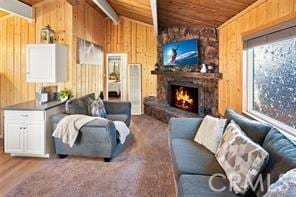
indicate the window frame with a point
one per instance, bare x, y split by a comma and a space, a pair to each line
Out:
248, 96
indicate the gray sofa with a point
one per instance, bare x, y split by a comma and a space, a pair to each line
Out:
194, 164
98, 138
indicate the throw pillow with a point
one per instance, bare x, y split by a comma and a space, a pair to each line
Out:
241, 158
76, 106
97, 108
285, 186
210, 133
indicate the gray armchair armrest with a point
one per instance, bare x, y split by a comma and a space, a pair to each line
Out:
184, 128
113, 107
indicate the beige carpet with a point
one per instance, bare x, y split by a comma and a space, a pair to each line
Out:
144, 169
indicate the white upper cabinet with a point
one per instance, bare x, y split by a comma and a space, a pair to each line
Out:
46, 63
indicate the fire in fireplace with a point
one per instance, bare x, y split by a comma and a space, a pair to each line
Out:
183, 97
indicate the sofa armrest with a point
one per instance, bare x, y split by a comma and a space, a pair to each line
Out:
113, 107
184, 128
102, 130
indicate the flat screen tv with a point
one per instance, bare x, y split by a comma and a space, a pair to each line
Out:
181, 53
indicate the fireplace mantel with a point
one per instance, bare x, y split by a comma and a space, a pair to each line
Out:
189, 74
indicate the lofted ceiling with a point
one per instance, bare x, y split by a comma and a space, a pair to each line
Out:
198, 12
134, 9
211, 13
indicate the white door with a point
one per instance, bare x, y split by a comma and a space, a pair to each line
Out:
40, 63
34, 138
14, 137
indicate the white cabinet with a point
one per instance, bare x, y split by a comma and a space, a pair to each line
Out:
34, 138
28, 132
13, 137
46, 63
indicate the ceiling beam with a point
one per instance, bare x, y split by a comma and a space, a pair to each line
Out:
107, 9
18, 8
153, 4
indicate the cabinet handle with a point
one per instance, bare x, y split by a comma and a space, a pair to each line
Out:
24, 115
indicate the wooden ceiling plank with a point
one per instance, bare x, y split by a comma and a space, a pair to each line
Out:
199, 12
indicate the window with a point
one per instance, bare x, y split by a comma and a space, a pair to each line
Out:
270, 78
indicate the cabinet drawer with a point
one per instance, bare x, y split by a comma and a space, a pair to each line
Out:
24, 115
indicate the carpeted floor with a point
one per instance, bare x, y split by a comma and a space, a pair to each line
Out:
143, 169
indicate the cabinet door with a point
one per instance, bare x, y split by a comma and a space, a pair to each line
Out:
13, 137
40, 63
34, 138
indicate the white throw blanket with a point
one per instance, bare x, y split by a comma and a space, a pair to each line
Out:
68, 128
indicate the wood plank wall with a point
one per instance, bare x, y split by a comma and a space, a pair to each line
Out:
263, 14
138, 41
90, 25
69, 22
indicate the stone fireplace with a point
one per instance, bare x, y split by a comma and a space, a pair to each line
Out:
182, 91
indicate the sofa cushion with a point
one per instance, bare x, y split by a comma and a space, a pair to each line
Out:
76, 106
198, 185
254, 129
79, 105
282, 156
117, 117
193, 158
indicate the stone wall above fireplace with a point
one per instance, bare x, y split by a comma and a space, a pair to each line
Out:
208, 51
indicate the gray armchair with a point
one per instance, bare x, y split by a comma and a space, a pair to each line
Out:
98, 138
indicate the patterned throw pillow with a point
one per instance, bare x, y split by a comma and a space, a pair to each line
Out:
285, 186
97, 108
241, 158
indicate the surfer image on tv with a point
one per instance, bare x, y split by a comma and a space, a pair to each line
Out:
174, 54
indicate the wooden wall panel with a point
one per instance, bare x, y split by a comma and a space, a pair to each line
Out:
138, 41
69, 23
91, 27
264, 14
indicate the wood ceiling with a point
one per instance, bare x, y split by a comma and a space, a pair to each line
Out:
198, 12
211, 13
139, 10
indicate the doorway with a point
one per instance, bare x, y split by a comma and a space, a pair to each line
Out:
116, 68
